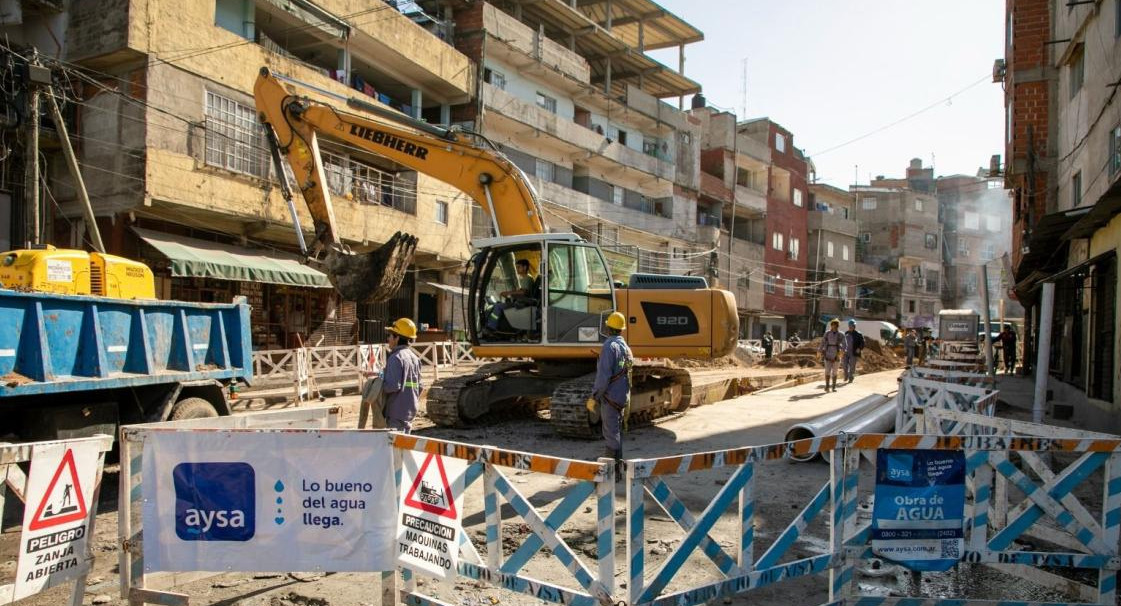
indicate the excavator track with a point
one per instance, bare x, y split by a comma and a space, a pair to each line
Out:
656, 391
442, 402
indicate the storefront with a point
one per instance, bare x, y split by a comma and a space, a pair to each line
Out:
292, 304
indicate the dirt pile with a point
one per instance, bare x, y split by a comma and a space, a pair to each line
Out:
874, 358
724, 362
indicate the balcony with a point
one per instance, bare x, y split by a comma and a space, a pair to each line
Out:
750, 199
523, 42
599, 150
820, 220
713, 187
592, 206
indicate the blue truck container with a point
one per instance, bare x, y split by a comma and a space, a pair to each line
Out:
78, 365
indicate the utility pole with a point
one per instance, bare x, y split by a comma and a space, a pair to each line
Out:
36, 75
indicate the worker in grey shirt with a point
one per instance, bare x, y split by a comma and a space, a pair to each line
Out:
402, 377
612, 387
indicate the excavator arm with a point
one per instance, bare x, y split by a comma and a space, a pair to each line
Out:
294, 124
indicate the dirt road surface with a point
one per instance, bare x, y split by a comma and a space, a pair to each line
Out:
784, 488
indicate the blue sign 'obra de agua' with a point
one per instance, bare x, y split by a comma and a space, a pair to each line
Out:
919, 514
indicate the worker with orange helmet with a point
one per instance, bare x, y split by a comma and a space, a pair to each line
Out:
612, 387
402, 383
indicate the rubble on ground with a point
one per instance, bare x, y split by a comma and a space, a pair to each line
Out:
875, 357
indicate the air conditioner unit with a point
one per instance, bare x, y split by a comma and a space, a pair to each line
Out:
845, 304
999, 69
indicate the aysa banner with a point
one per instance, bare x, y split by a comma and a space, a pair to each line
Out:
918, 519
430, 513
281, 501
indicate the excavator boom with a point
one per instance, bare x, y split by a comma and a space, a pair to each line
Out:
294, 123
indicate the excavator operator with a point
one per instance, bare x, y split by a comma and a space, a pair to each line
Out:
515, 313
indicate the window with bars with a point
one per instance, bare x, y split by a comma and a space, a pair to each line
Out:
789, 290
235, 140
366, 184
769, 284
1115, 143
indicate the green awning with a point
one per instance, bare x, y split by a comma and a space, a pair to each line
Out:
191, 258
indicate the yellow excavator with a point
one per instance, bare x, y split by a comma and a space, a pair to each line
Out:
549, 318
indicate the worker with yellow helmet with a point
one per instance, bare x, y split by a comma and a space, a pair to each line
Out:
612, 387
402, 384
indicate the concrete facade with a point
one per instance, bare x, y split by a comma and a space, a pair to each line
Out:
832, 229
168, 137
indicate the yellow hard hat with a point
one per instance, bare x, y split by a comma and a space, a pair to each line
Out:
617, 321
404, 327
834, 322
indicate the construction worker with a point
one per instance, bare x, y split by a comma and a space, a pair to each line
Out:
854, 344
768, 344
832, 349
401, 380
612, 387
909, 344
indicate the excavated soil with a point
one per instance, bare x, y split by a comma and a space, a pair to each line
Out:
874, 358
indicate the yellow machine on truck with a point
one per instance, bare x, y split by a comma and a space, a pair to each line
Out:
550, 315
64, 271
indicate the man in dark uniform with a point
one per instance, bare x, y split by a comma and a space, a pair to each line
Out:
612, 387
402, 383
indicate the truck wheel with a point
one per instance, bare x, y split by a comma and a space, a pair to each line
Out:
192, 408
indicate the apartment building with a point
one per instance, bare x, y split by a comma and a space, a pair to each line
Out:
178, 167
785, 258
568, 94
976, 220
832, 231
731, 214
1064, 146
900, 229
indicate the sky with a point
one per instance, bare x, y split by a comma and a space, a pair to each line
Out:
904, 79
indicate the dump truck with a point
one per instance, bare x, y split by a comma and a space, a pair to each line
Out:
74, 365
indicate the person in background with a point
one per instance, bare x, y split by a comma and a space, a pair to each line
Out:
795, 340
768, 345
1008, 347
832, 348
854, 344
401, 380
612, 387
909, 343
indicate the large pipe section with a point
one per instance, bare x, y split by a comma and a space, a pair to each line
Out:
871, 414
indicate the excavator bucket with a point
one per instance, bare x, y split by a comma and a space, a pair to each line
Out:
375, 276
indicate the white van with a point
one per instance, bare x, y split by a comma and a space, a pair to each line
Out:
884, 332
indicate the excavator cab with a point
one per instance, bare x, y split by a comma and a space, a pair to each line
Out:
561, 299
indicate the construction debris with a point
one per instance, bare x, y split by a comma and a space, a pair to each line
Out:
874, 358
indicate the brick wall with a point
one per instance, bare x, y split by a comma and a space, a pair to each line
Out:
790, 220
1027, 83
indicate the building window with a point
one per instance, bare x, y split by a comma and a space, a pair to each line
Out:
545, 170
845, 212
963, 247
1076, 190
235, 140
441, 212
844, 291
992, 222
1115, 141
831, 290
844, 252
617, 194
989, 252
1077, 70
776, 241
495, 78
769, 284
972, 221
780, 142
829, 249
795, 247
910, 306
546, 102
932, 241
789, 290
797, 197
865, 236
868, 203
918, 205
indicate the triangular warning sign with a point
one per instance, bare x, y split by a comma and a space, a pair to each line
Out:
432, 496
63, 502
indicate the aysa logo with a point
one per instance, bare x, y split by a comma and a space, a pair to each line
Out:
215, 501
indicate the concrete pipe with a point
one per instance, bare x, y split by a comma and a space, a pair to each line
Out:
836, 421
